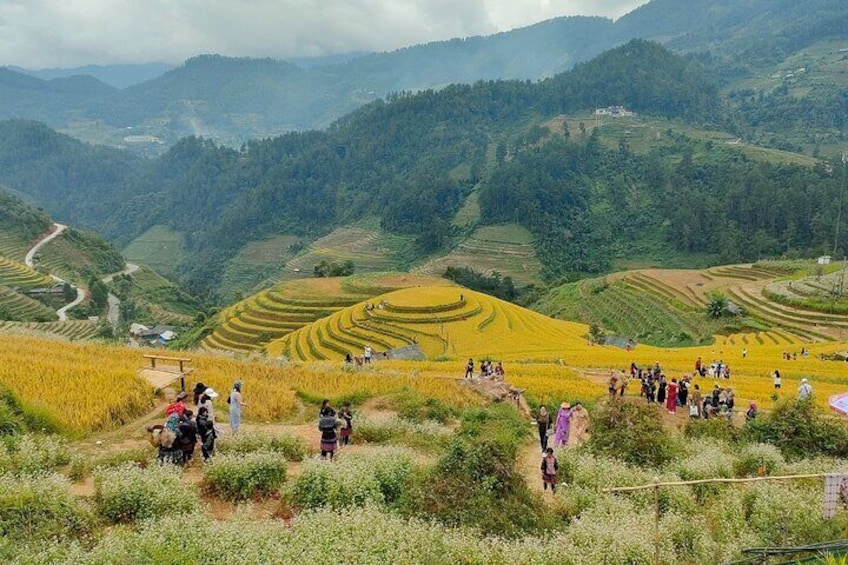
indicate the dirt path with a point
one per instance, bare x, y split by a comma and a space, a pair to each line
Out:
62, 312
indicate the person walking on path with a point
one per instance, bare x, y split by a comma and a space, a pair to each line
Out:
671, 400
580, 421
545, 425
549, 468
776, 377
236, 404
327, 426
563, 425
805, 391
367, 354
469, 369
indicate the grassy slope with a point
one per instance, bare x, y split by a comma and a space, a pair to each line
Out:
159, 247
507, 249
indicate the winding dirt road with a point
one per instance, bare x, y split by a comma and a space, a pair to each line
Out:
30, 262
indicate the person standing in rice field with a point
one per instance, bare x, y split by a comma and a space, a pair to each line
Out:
236, 404
549, 468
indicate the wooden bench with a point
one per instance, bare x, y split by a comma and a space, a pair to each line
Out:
163, 375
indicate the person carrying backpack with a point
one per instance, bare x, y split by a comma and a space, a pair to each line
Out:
327, 424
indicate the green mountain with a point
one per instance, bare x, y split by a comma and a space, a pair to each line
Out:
417, 166
235, 100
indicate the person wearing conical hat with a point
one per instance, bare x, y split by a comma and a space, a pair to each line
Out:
563, 425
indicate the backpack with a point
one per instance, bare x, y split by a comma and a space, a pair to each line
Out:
326, 423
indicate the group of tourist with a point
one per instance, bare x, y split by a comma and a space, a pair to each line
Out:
336, 428
359, 360
715, 370
487, 370
571, 425
184, 428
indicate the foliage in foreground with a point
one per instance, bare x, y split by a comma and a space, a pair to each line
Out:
800, 430
378, 477
128, 493
244, 476
632, 431
476, 481
39, 509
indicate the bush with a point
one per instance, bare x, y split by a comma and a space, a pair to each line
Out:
376, 477
781, 514
757, 460
81, 466
632, 431
716, 428
416, 408
128, 492
800, 430
31, 454
399, 430
288, 446
239, 476
40, 508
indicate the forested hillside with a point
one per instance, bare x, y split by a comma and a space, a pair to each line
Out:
233, 100
413, 160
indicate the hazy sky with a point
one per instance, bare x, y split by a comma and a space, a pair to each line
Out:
67, 33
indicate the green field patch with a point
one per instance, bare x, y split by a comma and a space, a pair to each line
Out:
506, 249
257, 262
160, 247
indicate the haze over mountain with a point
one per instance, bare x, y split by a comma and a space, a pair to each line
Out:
427, 169
232, 100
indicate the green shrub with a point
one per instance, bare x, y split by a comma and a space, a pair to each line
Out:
82, 465
290, 447
40, 508
716, 428
416, 408
128, 492
241, 476
757, 459
400, 431
789, 514
632, 431
379, 476
30, 454
10, 422
800, 430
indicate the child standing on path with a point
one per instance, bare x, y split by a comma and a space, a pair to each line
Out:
549, 467
346, 416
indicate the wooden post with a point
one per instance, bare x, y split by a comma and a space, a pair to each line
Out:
656, 521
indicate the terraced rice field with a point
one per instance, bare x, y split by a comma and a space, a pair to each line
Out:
507, 249
632, 308
442, 321
659, 306
15, 274
271, 314
72, 330
18, 306
13, 247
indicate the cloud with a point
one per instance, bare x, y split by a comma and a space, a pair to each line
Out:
62, 33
